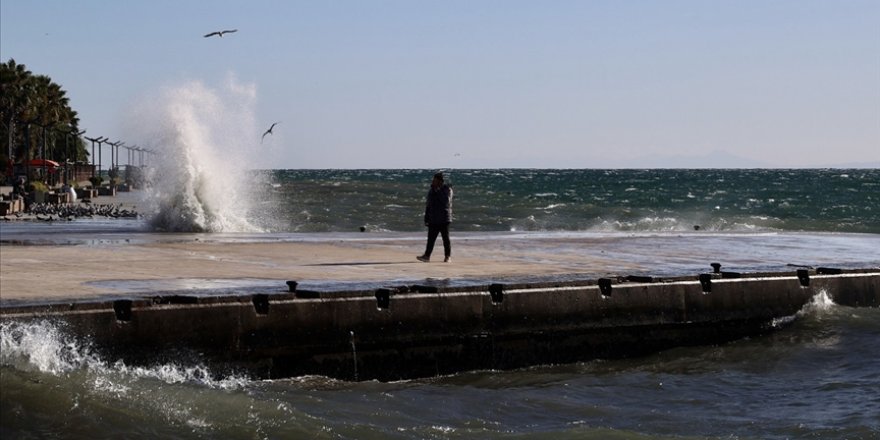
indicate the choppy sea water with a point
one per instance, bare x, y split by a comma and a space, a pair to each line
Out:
579, 200
815, 378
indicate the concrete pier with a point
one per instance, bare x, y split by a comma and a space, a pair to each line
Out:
395, 331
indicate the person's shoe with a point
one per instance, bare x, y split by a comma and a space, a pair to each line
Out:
423, 258
447, 260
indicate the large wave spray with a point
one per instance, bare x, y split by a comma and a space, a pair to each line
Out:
201, 174
46, 347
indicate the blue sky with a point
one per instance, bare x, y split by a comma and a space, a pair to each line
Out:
418, 84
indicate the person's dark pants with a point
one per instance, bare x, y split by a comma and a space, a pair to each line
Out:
443, 230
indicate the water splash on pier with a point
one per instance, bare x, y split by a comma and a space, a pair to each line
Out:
41, 346
820, 304
46, 347
204, 138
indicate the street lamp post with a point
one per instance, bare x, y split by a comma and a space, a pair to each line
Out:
130, 155
27, 151
73, 153
43, 153
111, 158
99, 140
118, 160
114, 151
68, 154
118, 165
113, 155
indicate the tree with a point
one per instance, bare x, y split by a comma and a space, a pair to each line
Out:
36, 119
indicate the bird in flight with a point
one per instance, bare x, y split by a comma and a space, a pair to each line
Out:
269, 131
220, 33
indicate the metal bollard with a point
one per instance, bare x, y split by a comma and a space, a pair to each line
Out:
496, 291
706, 282
804, 277
383, 299
261, 304
122, 308
605, 287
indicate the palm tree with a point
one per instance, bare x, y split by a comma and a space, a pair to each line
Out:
31, 101
14, 99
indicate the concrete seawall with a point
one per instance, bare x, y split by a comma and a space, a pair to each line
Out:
407, 331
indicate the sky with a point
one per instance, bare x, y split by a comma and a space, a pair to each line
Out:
479, 83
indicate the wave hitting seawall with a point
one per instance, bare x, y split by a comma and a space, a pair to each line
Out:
405, 331
812, 377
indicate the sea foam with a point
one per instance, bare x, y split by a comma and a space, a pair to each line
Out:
46, 347
820, 304
41, 346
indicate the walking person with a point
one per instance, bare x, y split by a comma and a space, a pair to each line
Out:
438, 216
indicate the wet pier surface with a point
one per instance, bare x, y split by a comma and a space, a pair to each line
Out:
47, 263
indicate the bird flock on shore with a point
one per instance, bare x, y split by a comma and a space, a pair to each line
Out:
71, 211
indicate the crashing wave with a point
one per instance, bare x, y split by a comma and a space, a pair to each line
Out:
200, 179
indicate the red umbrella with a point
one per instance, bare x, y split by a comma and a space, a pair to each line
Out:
43, 162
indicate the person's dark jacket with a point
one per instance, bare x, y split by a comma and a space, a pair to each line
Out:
438, 207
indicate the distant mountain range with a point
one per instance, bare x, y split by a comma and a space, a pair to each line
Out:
856, 165
718, 159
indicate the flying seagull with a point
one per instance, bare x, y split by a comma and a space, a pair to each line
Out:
269, 131
220, 33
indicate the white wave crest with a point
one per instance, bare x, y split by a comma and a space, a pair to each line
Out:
173, 374
820, 303
45, 347
41, 346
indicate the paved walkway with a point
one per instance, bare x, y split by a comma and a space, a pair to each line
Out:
170, 262
63, 272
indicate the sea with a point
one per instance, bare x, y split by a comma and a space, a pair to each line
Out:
625, 200
816, 378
